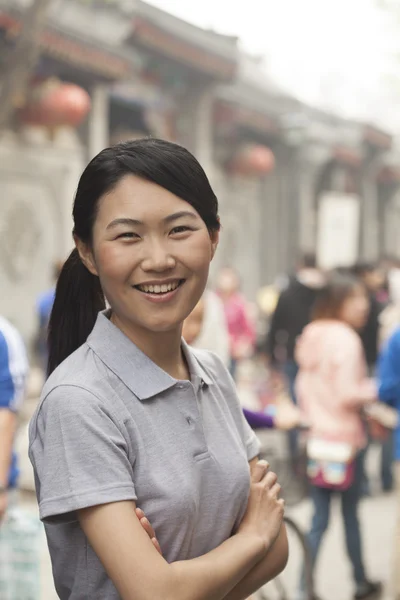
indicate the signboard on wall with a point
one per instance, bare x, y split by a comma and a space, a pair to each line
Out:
338, 227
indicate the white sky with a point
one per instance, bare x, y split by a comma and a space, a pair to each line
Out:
333, 53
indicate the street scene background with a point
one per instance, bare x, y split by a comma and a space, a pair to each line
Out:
293, 111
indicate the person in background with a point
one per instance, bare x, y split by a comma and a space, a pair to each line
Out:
291, 315
242, 333
13, 377
332, 387
267, 299
373, 277
44, 307
389, 392
206, 327
389, 317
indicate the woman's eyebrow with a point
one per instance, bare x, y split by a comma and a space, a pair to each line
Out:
180, 215
124, 221
135, 222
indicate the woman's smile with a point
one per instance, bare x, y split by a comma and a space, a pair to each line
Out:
160, 291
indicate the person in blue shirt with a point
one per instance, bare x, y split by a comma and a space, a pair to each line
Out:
13, 375
44, 307
389, 392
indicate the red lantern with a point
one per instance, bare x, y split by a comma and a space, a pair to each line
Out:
54, 104
253, 159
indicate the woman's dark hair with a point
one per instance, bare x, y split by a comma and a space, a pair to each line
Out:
331, 297
79, 296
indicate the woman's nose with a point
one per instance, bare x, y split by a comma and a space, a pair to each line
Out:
157, 257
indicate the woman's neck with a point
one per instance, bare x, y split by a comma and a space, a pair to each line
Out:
163, 348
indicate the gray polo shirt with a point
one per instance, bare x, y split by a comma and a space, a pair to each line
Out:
111, 426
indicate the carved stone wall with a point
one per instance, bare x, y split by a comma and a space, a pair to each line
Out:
241, 244
37, 183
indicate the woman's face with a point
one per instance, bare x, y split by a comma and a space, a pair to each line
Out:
152, 252
355, 308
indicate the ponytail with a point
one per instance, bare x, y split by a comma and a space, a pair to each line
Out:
78, 300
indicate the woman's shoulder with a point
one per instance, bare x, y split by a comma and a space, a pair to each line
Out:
75, 391
81, 367
333, 330
80, 379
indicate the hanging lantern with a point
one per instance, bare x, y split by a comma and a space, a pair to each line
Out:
53, 104
253, 160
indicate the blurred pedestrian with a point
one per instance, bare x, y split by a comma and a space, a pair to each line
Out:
13, 377
291, 315
206, 327
242, 333
374, 279
389, 317
332, 387
389, 392
44, 307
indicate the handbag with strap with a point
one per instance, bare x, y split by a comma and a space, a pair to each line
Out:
330, 465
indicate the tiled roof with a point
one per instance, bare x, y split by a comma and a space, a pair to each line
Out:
74, 51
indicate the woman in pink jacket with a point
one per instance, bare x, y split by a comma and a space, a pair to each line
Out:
332, 387
241, 329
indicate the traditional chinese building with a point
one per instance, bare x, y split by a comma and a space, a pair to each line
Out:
282, 170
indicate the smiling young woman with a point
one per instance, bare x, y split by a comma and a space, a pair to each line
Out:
131, 416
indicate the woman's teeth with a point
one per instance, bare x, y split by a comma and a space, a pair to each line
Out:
158, 289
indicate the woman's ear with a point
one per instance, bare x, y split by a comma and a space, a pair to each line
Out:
86, 255
214, 235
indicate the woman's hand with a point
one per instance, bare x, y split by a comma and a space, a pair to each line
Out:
145, 523
265, 510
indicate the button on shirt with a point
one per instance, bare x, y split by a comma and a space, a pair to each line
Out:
113, 426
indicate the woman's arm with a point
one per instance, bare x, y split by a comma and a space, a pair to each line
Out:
266, 570
258, 420
140, 573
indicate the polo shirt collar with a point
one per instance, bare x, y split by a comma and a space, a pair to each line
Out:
195, 367
135, 369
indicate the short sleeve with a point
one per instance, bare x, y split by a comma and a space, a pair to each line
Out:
79, 454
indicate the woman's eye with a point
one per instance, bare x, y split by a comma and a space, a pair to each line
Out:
180, 229
128, 235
